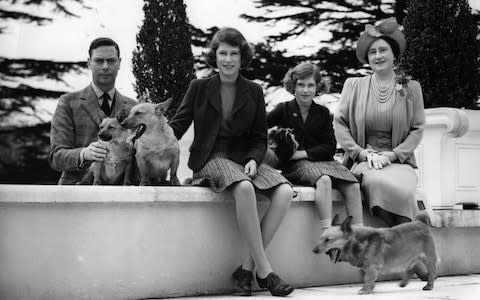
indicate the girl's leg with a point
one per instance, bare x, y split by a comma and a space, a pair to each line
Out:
353, 200
323, 200
273, 217
249, 225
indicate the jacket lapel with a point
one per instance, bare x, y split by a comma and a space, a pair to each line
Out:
294, 109
399, 116
360, 114
242, 95
213, 92
90, 105
119, 103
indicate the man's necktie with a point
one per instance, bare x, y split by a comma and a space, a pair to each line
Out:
105, 105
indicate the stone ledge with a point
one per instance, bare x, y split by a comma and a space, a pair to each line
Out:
189, 194
139, 243
458, 217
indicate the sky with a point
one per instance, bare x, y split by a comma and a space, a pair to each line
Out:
67, 39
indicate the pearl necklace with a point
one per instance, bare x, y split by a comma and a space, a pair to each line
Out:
382, 94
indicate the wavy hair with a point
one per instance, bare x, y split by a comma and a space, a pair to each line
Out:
232, 37
302, 71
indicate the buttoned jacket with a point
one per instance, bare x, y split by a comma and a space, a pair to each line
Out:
315, 135
202, 105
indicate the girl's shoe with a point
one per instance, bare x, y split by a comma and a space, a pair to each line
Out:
244, 280
275, 285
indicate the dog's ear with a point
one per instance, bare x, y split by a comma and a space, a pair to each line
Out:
346, 226
272, 131
162, 107
142, 99
122, 114
145, 97
335, 221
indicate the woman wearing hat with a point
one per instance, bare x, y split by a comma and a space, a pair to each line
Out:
379, 124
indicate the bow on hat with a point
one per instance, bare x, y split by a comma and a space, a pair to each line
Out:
383, 27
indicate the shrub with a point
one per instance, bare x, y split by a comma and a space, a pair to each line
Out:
163, 60
442, 51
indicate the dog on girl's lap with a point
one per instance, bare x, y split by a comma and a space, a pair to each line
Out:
281, 146
156, 150
375, 250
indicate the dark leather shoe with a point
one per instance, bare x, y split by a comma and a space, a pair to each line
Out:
244, 280
275, 285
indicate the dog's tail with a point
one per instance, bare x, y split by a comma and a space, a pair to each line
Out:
424, 218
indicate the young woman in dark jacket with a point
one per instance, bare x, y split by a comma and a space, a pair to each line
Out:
230, 140
313, 164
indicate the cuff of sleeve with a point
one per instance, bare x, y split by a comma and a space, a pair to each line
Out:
356, 153
82, 164
401, 158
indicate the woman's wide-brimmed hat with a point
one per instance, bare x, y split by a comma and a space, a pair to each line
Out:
387, 27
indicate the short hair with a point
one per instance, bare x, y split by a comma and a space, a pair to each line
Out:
302, 71
102, 41
393, 44
234, 38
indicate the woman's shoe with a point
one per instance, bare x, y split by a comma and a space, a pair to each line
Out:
275, 285
244, 280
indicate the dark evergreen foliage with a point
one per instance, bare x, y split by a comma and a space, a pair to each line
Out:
163, 59
345, 21
24, 148
443, 52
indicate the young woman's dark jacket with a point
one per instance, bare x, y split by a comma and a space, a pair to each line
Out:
202, 104
316, 136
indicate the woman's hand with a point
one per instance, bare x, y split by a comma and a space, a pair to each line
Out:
390, 155
251, 168
363, 155
377, 160
299, 154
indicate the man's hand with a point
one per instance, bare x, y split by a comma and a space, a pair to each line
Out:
95, 151
251, 168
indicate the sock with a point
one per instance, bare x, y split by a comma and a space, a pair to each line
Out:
325, 223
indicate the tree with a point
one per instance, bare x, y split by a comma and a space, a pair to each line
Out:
345, 20
442, 51
24, 146
163, 59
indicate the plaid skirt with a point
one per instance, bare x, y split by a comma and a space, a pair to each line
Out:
220, 173
306, 172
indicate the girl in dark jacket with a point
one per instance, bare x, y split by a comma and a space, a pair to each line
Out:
230, 140
313, 164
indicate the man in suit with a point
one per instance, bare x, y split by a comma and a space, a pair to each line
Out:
75, 123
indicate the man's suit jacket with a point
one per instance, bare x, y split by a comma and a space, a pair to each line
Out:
202, 105
315, 136
407, 127
75, 124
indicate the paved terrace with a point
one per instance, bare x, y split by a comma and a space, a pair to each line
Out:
466, 287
